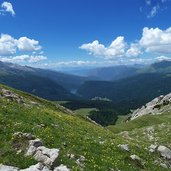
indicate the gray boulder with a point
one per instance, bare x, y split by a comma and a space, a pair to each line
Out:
152, 148
61, 168
164, 152
47, 156
124, 147
33, 145
135, 157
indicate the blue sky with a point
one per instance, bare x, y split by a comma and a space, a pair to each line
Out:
65, 33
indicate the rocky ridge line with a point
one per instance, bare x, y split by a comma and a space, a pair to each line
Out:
156, 106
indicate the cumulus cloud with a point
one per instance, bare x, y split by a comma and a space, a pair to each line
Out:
152, 41
7, 7
23, 58
10, 45
115, 49
26, 44
134, 50
156, 40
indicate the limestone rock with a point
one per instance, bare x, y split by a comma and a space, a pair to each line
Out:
8, 168
47, 156
11, 96
164, 165
124, 147
37, 167
61, 168
156, 106
164, 152
135, 157
152, 148
33, 145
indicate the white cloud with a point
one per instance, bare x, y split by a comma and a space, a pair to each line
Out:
153, 41
26, 44
156, 40
163, 58
94, 48
154, 11
116, 48
75, 63
23, 58
7, 45
10, 45
7, 7
134, 50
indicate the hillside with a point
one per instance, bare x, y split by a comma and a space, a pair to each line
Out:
79, 144
44, 83
158, 67
132, 92
67, 81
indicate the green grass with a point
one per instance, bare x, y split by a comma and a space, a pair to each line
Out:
141, 122
84, 111
121, 119
75, 135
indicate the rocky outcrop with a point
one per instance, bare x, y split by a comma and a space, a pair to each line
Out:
11, 96
157, 106
47, 158
8, 168
164, 152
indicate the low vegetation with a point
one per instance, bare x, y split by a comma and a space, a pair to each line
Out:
58, 128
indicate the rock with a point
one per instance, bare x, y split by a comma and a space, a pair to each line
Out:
135, 157
8, 168
11, 96
82, 158
124, 147
36, 143
33, 145
164, 152
27, 136
61, 168
47, 156
164, 165
156, 106
150, 130
80, 161
37, 167
152, 148
71, 156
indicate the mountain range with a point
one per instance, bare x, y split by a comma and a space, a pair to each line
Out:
128, 85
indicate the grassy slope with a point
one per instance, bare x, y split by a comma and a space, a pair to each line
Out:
84, 111
73, 135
